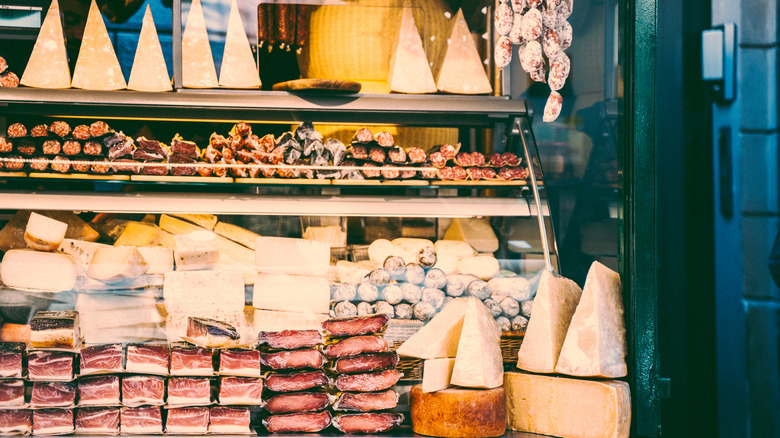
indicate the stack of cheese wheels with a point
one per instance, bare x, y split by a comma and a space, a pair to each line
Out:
365, 372
578, 333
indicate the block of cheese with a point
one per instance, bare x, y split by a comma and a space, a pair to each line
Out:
461, 70
149, 71
158, 258
97, 67
483, 266
81, 251
478, 363
48, 63
284, 255
409, 69
561, 406
437, 374
228, 263
440, 336
236, 234
44, 233
109, 318
595, 344
291, 293
12, 234
458, 412
116, 263
195, 292
556, 299
197, 62
274, 321
454, 248
238, 64
196, 251
35, 270
176, 226
476, 232
207, 221
143, 234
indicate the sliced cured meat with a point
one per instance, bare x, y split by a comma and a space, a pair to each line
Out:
290, 339
137, 421
510, 159
102, 420
239, 362
99, 390
368, 382
297, 402
209, 333
52, 329
293, 359
53, 394
366, 363
11, 392
59, 128
240, 391
278, 382
368, 422
371, 170
187, 420
101, 358
189, 391
305, 422
356, 325
363, 135
464, 159
143, 390
52, 421
459, 173
182, 170
11, 358
51, 147
147, 358
416, 155
366, 401
355, 345
224, 419
191, 361
15, 421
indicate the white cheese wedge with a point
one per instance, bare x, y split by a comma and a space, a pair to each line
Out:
108, 318
35, 270
560, 406
81, 251
409, 69
237, 234
159, 259
274, 321
475, 231
197, 68
554, 305
196, 251
437, 374
483, 266
116, 263
97, 67
440, 336
595, 344
284, 255
196, 292
44, 233
149, 71
478, 363
461, 70
291, 293
48, 63
239, 69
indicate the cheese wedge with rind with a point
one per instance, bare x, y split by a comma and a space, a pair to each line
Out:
554, 305
238, 64
409, 69
437, 374
82, 252
595, 344
48, 63
237, 234
561, 406
440, 336
97, 67
12, 234
36, 270
198, 69
44, 233
478, 363
461, 69
112, 264
149, 72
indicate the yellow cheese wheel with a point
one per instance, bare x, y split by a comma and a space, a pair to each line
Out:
459, 412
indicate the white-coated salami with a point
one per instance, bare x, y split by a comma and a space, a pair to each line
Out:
552, 109
539, 75
503, 18
559, 71
518, 6
549, 17
532, 24
565, 35
516, 34
551, 43
531, 57
565, 7
533, 3
503, 52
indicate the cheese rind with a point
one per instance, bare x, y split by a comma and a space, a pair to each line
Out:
459, 412
291, 293
283, 255
562, 406
44, 233
196, 251
97, 67
237, 234
81, 251
198, 69
149, 71
35, 270
461, 70
48, 63
238, 64
554, 305
475, 231
478, 363
595, 344
440, 336
409, 69
116, 263
143, 234
437, 374
12, 234
200, 293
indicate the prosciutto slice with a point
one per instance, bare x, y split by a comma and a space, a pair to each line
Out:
307, 422
288, 382
99, 390
239, 362
52, 421
53, 394
293, 359
297, 402
15, 421
147, 358
368, 382
11, 359
50, 365
354, 346
240, 390
191, 361
368, 422
290, 339
101, 358
143, 390
187, 420
366, 401
225, 419
11, 392
189, 391
366, 363
356, 325
101, 420
138, 421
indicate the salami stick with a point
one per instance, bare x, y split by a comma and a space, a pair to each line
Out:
302, 16
262, 24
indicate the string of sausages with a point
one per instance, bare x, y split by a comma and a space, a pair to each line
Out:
285, 26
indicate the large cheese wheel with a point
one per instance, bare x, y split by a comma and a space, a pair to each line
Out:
459, 412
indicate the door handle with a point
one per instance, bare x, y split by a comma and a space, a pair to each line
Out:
719, 52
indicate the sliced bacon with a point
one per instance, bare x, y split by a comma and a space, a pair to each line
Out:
290, 339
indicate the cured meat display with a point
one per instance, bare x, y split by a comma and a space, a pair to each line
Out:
15, 421
187, 360
102, 420
58, 329
50, 365
141, 421
189, 391
147, 358
293, 359
355, 326
240, 391
11, 392
366, 401
304, 422
53, 394
355, 345
289, 382
229, 419
210, 333
52, 421
239, 362
187, 420
289, 339
101, 358
99, 390
297, 402
367, 422
378, 381
11, 354
143, 390
366, 363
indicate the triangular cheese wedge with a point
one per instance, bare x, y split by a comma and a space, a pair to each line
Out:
479, 363
461, 70
437, 374
97, 67
595, 344
238, 65
48, 64
440, 336
197, 63
149, 70
409, 69
554, 305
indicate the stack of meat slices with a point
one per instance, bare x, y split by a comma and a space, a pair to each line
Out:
13, 415
189, 389
53, 393
295, 400
98, 388
240, 386
380, 158
366, 374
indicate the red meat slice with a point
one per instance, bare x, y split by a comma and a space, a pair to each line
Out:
293, 360
50, 365
355, 345
297, 402
367, 423
187, 420
52, 421
15, 421
357, 325
191, 361
11, 359
189, 391
366, 401
147, 358
290, 339
239, 362
224, 419
97, 420
368, 382
138, 421
11, 392
308, 422
53, 394
99, 390
279, 382
143, 390
240, 390
366, 363
101, 358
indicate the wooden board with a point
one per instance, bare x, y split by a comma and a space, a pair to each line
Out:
79, 176
184, 179
374, 182
494, 183
12, 174
284, 181
324, 85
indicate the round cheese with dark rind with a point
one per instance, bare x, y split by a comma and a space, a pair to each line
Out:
458, 412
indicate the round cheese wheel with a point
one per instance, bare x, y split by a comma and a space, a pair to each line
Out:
459, 412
